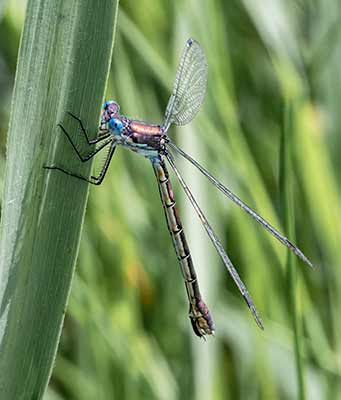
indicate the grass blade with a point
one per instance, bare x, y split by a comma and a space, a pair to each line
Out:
286, 183
63, 64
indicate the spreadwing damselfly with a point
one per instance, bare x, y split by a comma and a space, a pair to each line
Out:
153, 142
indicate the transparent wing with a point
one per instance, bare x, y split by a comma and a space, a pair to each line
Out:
217, 244
227, 192
189, 86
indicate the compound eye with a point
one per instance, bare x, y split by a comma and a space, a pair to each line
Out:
112, 107
107, 104
115, 124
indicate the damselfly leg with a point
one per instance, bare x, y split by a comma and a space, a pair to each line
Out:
102, 135
94, 180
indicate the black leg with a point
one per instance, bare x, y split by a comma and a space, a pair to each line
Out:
84, 158
94, 180
88, 156
100, 135
91, 153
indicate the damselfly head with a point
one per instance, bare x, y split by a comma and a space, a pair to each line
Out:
110, 110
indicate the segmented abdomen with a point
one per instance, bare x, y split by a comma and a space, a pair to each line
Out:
199, 314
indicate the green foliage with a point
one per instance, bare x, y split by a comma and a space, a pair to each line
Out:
288, 213
126, 333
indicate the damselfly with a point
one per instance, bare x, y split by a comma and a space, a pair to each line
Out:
152, 142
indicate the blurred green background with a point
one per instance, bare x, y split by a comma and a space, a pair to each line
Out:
127, 334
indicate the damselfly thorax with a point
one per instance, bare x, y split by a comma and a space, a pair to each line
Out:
144, 136
139, 136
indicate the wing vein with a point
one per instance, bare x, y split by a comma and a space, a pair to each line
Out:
189, 86
228, 193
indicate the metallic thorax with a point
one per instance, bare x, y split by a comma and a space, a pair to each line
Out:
139, 136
